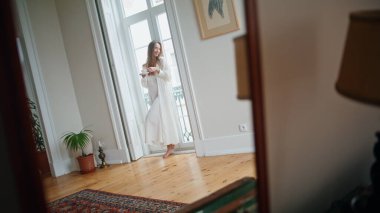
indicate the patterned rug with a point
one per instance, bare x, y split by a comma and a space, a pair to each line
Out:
89, 200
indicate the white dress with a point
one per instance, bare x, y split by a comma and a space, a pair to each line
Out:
161, 122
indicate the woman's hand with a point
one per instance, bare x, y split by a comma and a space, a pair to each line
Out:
152, 70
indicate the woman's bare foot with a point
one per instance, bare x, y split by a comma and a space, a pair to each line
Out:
169, 151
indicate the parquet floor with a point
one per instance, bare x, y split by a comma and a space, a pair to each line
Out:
182, 178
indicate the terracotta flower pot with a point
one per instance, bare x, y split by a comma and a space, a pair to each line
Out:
86, 164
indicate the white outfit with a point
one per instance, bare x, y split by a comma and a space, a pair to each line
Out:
161, 122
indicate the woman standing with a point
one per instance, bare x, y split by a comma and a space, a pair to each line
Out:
161, 122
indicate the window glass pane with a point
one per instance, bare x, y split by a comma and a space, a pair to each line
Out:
132, 7
156, 2
169, 52
171, 60
141, 55
140, 34
163, 26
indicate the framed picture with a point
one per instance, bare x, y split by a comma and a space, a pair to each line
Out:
216, 17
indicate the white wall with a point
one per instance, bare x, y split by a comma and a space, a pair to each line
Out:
212, 69
81, 54
211, 64
57, 77
319, 143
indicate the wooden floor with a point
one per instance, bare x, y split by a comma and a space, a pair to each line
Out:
182, 178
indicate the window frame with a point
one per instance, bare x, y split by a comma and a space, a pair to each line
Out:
151, 15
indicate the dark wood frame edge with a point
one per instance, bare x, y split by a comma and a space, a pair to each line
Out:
203, 202
257, 95
15, 119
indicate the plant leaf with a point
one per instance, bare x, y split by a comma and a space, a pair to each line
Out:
77, 141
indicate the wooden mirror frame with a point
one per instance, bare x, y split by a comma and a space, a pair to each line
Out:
25, 191
15, 121
256, 92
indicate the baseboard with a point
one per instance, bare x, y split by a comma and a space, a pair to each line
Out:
69, 165
234, 144
63, 167
176, 152
113, 156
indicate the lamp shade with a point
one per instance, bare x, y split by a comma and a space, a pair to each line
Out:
359, 76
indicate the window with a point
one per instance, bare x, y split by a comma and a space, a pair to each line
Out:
132, 7
144, 21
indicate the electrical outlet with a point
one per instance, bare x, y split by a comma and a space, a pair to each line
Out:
243, 127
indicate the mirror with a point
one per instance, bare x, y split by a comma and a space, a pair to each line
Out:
74, 87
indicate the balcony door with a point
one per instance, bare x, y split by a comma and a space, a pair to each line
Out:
130, 26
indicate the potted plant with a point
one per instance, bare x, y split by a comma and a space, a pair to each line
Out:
79, 141
42, 160
36, 127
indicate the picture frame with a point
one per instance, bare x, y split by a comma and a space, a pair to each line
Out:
216, 17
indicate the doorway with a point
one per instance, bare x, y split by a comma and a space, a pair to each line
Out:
38, 130
128, 26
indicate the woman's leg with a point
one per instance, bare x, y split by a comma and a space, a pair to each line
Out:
169, 150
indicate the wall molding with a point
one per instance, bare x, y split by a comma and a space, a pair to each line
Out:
52, 144
235, 144
114, 156
187, 85
107, 80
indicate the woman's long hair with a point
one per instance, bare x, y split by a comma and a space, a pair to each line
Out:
151, 61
